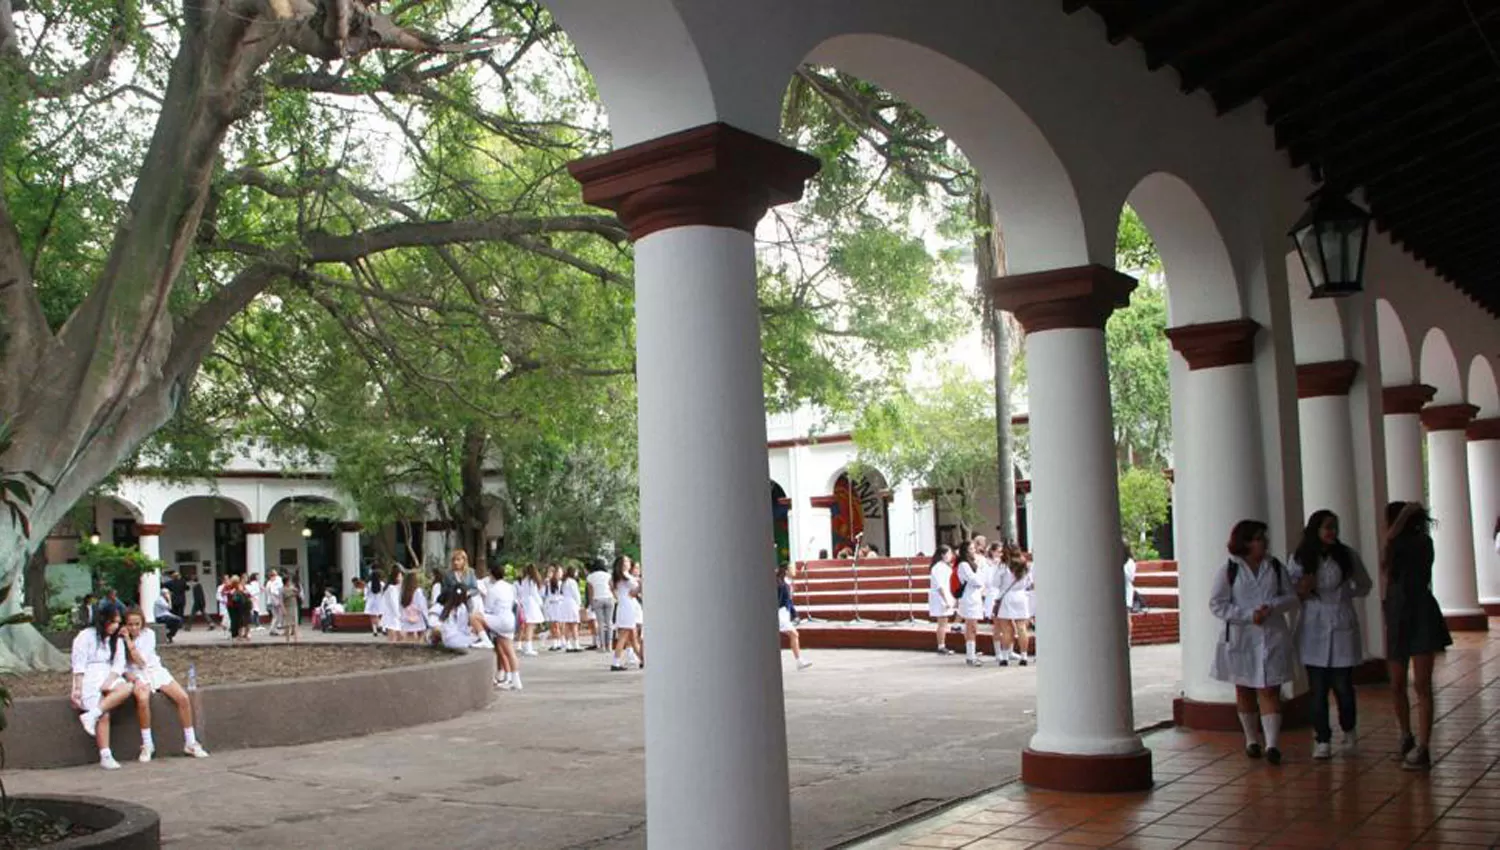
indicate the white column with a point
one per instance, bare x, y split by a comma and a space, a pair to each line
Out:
348, 556
150, 587
435, 544
1484, 487
1083, 703
1405, 477
1220, 480
255, 549
1453, 580
716, 757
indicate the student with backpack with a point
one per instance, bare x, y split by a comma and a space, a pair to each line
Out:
940, 601
1253, 595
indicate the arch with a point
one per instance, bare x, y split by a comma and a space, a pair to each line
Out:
222, 506
1439, 368
135, 512
1395, 346
1484, 393
1201, 284
293, 505
1317, 328
1030, 189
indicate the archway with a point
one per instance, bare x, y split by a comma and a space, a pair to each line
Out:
781, 533
203, 539
302, 541
860, 511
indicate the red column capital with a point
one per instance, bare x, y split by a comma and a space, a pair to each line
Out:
257, 527
1448, 417
1077, 297
149, 529
1484, 429
1209, 345
1409, 398
1334, 377
352, 527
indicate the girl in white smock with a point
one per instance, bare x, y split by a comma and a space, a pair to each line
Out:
499, 613
390, 605
1012, 608
1252, 596
552, 597
1329, 639
98, 663
413, 608
971, 601
626, 618
941, 605
529, 596
569, 608
458, 627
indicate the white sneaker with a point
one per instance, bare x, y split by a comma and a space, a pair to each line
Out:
195, 750
109, 763
504, 685
147, 753
803, 665
1322, 751
1350, 742
90, 721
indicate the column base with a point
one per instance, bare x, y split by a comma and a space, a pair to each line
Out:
1479, 622
1225, 717
1374, 671
1087, 774
1491, 609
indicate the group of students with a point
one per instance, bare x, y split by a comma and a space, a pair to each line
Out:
1307, 606
983, 580
244, 602
113, 661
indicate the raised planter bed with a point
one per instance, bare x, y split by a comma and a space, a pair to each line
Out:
115, 824
353, 622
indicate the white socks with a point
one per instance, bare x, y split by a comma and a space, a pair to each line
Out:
631, 657
106, 754
617, 662
1271, 725
969, 649
1250, 722
146, 739
515, 678
189, 737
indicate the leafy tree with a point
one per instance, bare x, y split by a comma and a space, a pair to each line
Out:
1139, 387
1145, 501
117, 567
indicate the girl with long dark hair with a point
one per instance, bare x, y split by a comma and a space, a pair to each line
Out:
1414, 625
529, 596
1253, 595
1011, 608
1329, 576
626, 637
970, 600
941, 605
458, 627
375, 601
413, 608
99, 683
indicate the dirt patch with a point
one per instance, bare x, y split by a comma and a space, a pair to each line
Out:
225, 665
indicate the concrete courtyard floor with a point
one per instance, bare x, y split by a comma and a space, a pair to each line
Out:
874, 737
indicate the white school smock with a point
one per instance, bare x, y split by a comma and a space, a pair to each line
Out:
971, 604
626, 606
414, 616
152, 672
390, 608
1252, 656
499, 606
90, 657
940, 602
572, 602
1329, 634
530, 597
455, 630
1009, 594
1129, 582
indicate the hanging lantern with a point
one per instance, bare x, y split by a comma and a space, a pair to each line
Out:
306, 531
1331, 238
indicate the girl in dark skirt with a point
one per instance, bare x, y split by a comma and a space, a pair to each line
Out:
1414, 626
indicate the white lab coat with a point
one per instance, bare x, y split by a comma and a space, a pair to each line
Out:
1130, 583
1329, 633
1248, 655
940, 602
1010, 594
971, 604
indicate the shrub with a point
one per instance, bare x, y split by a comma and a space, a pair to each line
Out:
118, 567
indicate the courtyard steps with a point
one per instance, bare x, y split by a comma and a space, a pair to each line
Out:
1147, 629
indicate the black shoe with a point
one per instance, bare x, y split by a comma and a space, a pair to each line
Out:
1273, 755
1023, 662
943, 650
1418, 759
615, 668
1252, 750
1408, 744
1004, 663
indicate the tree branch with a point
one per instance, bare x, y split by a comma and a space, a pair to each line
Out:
328, 248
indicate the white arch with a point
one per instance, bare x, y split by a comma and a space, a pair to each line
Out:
130, 507
1395, 346
240, 508
876, 478
1031, 190
288, 502
1201, 284
1440, 368
1317, 328
1483, 390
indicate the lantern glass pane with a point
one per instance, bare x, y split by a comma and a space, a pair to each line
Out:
1356, 248
1312, 257
1334, 267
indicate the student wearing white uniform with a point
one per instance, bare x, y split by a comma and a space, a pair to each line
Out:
569, 608
1011, 608
144, 668
499, 613
413, 607
625, 590
529, 595
638, 593
99, 683
1328, 577
375, 601
459, 627
786, 616
552, 594
941, 605
970, 601
601, 604
1253, 595
390, 604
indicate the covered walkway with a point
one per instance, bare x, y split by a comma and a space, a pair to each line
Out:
1208, 796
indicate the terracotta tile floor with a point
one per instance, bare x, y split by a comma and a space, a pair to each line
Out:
1208, 795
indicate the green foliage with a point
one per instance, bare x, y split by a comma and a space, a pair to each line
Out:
118, 567
942, 438
1145, 502
1139, 383
355, 604
1135, 252
60, 621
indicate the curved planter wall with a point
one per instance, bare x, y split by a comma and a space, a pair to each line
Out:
44, 731
120, 825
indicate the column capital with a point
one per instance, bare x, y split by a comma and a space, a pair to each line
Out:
1209, 345
1448, 417
257, 527
1484, 429
1077, 297
1332, 377
350, 527
714, 175
147, 529
1409, 398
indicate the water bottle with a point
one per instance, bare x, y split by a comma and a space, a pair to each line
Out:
192, 677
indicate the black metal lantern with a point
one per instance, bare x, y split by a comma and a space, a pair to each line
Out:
1330, 238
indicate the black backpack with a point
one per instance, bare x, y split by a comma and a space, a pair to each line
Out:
1233, 567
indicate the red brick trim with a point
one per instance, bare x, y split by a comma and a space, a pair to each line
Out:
257, 527
351, 526
1224, 717
1448, 417
1491, 609
714, 175
1077, 297
149, 529
1091, 774
1484, 429
1410, 398
815, 440
1467, 622
1333, 378
1213, 344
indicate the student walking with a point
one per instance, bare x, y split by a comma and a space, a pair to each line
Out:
786, 616
625, 588
1328, 577
1253, 595
1414, 625
499, 613
941, 605
529, 595
569, 610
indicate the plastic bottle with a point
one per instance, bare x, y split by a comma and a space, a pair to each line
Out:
192, 677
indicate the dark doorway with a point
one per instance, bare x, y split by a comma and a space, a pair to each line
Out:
322, 560
229, 546
125, 534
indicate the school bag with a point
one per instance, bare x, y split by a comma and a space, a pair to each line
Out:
955, 584
1233, 567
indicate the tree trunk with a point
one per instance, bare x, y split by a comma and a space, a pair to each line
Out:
473, 514
35, 583
989, 259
